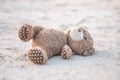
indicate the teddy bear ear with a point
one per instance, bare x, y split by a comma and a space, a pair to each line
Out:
77, 34
25, 25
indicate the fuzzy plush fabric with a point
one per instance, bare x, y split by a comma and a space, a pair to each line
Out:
48, 42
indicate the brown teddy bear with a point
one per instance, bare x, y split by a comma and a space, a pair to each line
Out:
49, 42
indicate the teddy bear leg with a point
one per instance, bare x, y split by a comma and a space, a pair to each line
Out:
25, 33
66, 52
88, 52
38, 55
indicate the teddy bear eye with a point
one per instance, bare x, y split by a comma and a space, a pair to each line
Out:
85, 38
79, 30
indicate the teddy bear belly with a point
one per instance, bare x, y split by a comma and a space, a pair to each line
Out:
51, 41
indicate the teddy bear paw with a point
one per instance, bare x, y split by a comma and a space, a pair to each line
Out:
25, 32
66, 52
38, 56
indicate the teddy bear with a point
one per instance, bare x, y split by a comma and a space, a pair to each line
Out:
47, 43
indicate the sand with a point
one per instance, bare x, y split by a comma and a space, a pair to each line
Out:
100, 17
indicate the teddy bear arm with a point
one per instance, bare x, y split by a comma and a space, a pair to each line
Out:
66, 52
36, 30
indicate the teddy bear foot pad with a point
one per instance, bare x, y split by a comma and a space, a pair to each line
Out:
25, 33
37, 56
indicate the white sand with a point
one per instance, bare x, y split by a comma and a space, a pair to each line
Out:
102, 18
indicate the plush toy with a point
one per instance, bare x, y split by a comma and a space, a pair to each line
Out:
49, 42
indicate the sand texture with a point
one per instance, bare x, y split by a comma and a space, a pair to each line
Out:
101, 18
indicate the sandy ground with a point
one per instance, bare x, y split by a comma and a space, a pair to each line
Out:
102, 18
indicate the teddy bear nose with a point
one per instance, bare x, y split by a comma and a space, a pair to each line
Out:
79, 30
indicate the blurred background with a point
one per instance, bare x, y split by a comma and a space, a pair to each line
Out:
60, 13
100, 17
